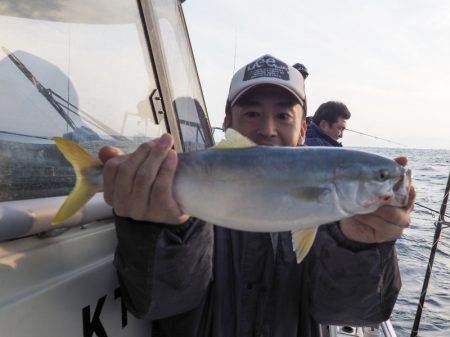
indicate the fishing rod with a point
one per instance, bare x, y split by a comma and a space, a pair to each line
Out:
24, 135
428, 208
376, 137
358, 132
441, 221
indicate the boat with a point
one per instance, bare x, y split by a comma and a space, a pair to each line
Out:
98, 73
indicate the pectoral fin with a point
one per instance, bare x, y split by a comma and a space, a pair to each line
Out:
302, 240
310, 193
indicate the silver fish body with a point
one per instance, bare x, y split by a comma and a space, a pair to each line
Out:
267, 189
242, 186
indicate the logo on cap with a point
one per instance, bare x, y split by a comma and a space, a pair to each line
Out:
266, 66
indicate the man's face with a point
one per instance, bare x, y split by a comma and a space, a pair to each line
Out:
335, 130
269, 116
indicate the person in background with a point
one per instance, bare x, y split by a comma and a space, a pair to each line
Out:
327, 125
194, 279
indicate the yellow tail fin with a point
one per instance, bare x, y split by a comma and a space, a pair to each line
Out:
85, 166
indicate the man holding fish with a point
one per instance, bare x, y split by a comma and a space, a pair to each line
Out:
243, 278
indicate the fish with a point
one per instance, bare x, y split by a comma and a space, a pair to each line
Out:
244, 186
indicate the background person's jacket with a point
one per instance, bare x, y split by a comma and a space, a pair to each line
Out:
316, 137
201, 280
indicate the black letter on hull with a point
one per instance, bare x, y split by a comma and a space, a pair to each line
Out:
117, 295
89, 327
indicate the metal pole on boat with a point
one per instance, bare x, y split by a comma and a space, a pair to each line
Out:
437, 233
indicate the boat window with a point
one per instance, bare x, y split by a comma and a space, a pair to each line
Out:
186, 94
73, 68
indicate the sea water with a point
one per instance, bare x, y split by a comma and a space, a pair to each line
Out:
430, 169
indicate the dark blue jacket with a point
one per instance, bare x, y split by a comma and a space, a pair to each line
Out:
200, 280
315, 137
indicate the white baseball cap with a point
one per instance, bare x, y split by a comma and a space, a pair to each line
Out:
267, 70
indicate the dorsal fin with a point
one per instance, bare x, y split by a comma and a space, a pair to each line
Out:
233, 139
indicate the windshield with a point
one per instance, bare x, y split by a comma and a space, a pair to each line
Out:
183, 83
76, 69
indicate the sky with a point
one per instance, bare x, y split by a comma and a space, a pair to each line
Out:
388, 61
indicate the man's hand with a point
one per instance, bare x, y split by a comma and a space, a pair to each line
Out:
385, 224
139, 185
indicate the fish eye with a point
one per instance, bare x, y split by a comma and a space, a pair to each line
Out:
383, 175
